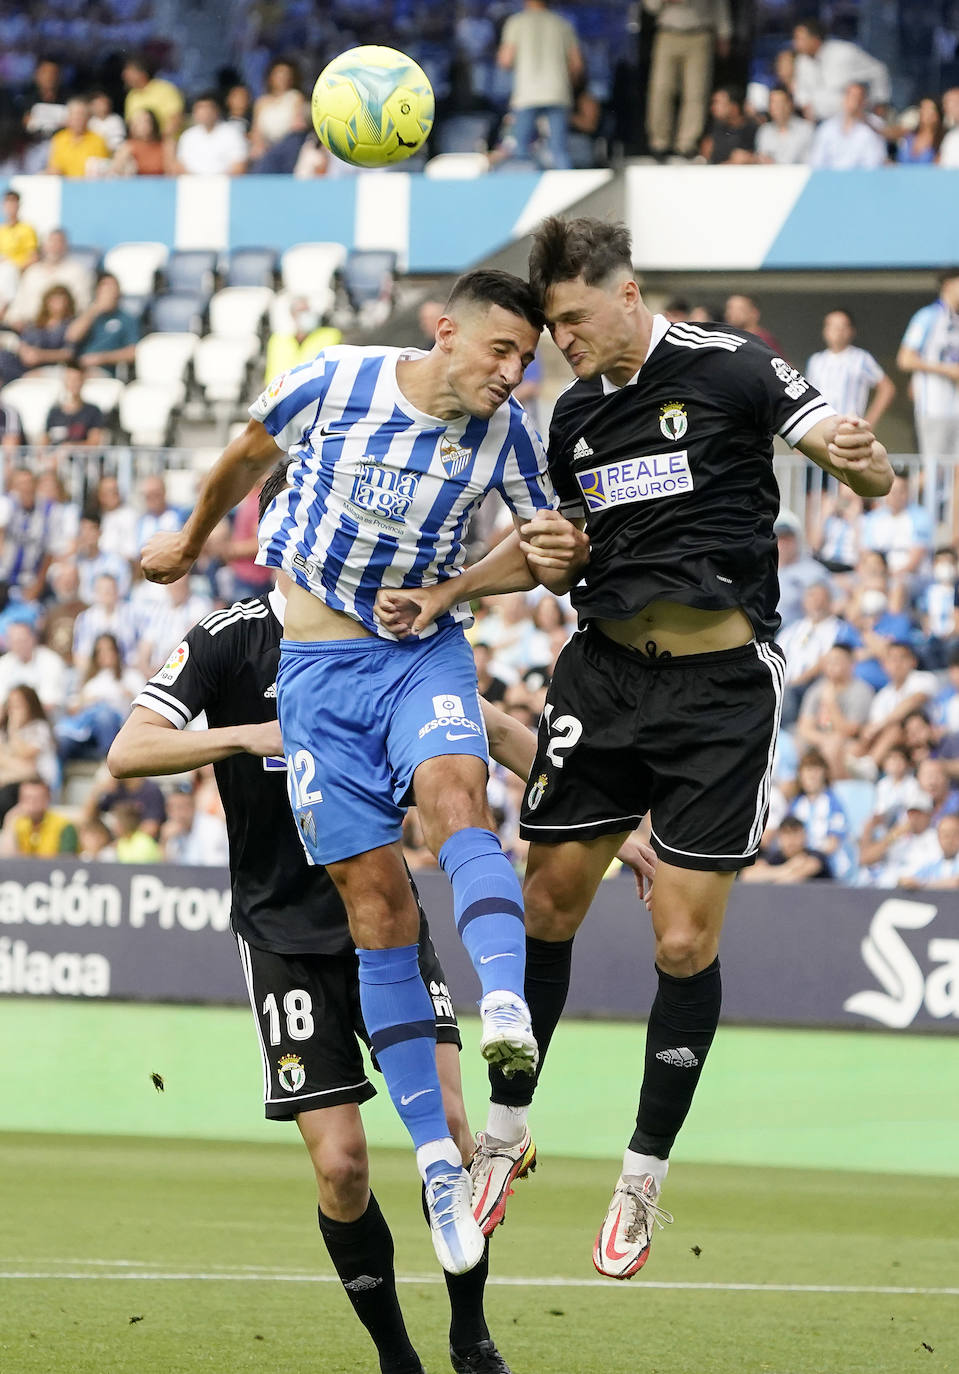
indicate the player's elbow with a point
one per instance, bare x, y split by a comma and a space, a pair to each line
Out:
121, 757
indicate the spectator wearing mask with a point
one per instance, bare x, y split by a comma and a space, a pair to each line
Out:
76, 151
32, 830
731, 135
54, 267
286, 349
688, 34
18, 241
930, 353
74, 422
847, 140
146, 91
846, 375
786, 138
105, 335
825, 67
742, 312
542, 51
211, 146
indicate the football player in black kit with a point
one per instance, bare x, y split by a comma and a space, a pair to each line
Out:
667, 699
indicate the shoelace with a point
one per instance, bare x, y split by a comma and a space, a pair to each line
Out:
645, 1208
507, 1018
435, 1187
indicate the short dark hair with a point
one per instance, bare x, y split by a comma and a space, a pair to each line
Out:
585, 247
11, 192
212, 96
142, 62
736, 94
841, 310
783, 90
274, 484
904, 644
488, 286
811, 26
791, 823
947, 274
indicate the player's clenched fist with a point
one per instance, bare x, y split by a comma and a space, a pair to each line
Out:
165, 559
553, 543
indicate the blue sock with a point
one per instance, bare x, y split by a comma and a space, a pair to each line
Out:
488, 905
401, 1023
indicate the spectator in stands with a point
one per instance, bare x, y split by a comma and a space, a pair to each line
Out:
100, 704
178, 608
786, 137
45, 342
288, 348
145, 152
64, 513
54, 267
134, 843
491, 687
789, 859
836, 536
731, 134
76, 151
901, 530
247, 577
118, 520
920, 146
18, 240
25, 528
930, 353
11, 433
938, 607
933, 777
32, 830
96, 843
108, 793
93, 560
158, 515
949, 147
46, 112
211, 145
428, 316
280, 109
846, 374
797, 570
834, 709
742, 312
27, 749
922, 740
190, 836
825, 68
62, 606
847, 140
907, 690
542, 51
892, 790
688, 33
941, 873
146, 91
906, 848
74, 422
806, 642
238, 104
105, 335
105, 121
821, 812
107, 615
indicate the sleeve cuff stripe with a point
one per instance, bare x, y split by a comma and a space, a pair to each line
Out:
171, 710
800, 425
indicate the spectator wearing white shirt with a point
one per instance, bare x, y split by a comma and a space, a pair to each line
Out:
845, 374
837, 537
907, 848
158, 516
797, 570
92, 561
176, 611
825, 67
190, 836
787, 138
118, 521
901, 530
31, 664
907, 690
930, 352
806, 642
54, 268
949, 147
847, 140
107, 616
943, 872
211, 146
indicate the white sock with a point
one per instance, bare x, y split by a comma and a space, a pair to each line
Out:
435, 1151
506, 1124
638, 1166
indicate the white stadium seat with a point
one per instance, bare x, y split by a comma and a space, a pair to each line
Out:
146, 410
103, 392
457, 166
32, 398
308, 269
239, 309
135, 266
220, 365
163, 359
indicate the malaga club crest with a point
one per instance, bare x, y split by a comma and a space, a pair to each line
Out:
673, 420
454, 457
291, 1073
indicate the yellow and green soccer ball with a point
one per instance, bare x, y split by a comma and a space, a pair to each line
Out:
372, 106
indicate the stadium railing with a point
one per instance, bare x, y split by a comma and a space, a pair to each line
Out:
933, 483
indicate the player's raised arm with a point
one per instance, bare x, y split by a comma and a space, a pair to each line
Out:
168, 557
845, 446
149, 745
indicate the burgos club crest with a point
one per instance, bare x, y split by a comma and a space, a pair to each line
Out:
291, 1073
673, 420
535, 795
454, 457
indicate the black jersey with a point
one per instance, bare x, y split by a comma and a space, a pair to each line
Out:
226, 667
674, 473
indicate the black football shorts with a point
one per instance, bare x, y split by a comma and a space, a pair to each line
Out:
688, 739
308, 1018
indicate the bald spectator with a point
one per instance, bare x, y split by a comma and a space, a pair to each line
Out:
211, 146
825, 67
688, 33
76, 147
848, 140
146, 91
742, 312
542, 52
54, 267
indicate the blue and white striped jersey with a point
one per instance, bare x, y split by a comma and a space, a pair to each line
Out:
933, 332
845, 378
380, 494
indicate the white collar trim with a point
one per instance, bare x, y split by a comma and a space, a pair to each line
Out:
660, 326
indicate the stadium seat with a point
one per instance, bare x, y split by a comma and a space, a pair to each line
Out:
147, 411
239, 309
135, 266
164, 359
87, 256
368, 275
251, 267
221, 365
103, 392
309, 270
517, 164
457, 166
137, 306
192, 269
32, 398
857, 797
465, 133
179, 312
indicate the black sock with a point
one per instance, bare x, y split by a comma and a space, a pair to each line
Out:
362, 1255
548, 967
466, 1291
681, 1027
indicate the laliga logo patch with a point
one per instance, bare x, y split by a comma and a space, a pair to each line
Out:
174, 665
291, 1073
673, 420
454, 457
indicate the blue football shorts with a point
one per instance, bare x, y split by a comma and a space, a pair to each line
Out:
358, 717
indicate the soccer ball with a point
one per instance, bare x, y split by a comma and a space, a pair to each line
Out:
372, 106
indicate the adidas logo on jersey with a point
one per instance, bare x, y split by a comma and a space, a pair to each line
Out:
270, 693
581, 449
680, 1059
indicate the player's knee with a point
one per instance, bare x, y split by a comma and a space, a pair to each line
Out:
551, 914
686, 949
343, 1179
